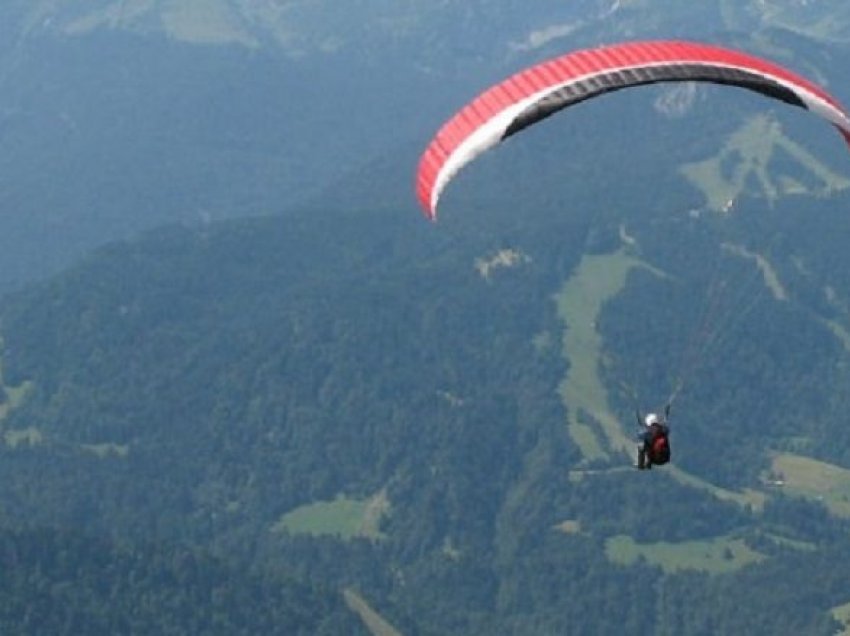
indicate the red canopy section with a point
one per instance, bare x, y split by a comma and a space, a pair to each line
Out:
541, 90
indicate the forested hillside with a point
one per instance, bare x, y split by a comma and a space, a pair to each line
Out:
384, 412
63, 582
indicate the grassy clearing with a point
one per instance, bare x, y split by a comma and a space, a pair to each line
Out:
17, 437
578, 475
838, 330
716, 556
115, 15
828, 24
343, 517
503, 259
597, 279
813, 479
592, 426
374, 622
587, 440
771, 279
745, 159
107, 449
14, 397
795, 544
25, 436
570, 526
842, 615
204, 22
753, 499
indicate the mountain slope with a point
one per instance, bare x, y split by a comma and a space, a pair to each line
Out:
382, 412
62, 582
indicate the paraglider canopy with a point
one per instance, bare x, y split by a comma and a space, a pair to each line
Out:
541, 90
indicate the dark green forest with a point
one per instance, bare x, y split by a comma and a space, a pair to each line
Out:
191, 388
64, 582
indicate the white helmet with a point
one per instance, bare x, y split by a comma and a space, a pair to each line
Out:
651, 419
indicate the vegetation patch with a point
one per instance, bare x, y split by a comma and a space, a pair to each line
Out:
787, 542
18, 437
813, 479
716, 556
113, 16
570, 526
204, 22
592, 426
597, 279
745, 159
576, 476
839, 331
107, 449
587, 440
13, 396
748, 497
842, 615
374, 622
819, 21
771, 278
505, 258
343, 517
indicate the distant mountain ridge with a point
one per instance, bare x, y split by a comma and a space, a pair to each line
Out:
309, 27
116, 116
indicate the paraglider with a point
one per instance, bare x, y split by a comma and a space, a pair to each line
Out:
654, 445
541, 90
